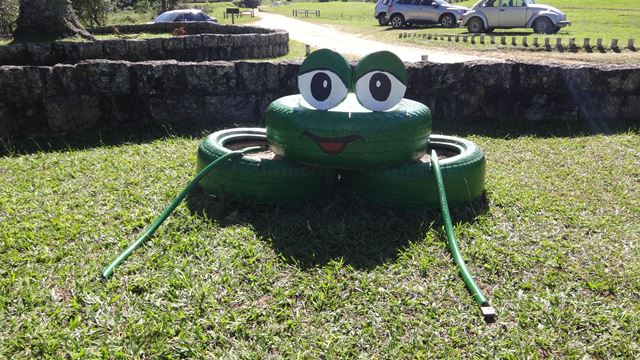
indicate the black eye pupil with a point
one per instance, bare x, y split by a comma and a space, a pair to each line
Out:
320, 86
380, 86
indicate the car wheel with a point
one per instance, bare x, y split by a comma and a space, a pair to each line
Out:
543, 26
448, 21
475, 25
261, 178
413, 185
382, 19
397, 21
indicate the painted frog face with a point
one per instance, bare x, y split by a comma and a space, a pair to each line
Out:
349, 118
379, 80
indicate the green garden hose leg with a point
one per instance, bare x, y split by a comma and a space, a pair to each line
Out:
108, 271
488, 312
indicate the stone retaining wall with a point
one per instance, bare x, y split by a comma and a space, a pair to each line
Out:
216, 42
107, 94
194, 27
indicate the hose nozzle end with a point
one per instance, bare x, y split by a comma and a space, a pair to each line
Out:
489, 313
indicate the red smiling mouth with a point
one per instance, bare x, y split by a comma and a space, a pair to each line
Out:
334, 145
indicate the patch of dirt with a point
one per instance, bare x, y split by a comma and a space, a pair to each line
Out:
442, 154
266, 153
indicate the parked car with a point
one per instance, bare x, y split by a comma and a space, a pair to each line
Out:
413, 12
184, 15
487, 15
380, 12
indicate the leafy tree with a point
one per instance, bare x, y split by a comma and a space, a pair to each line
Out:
8, 15
92, 12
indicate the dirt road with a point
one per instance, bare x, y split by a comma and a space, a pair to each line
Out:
321, 36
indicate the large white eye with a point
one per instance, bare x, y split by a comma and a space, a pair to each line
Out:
322, 89
379, 90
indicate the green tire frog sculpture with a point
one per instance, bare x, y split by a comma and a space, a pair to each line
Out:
349, 124
355, 123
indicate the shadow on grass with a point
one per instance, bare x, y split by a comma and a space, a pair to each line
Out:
541, 129
342, 226
98, 138
144, 134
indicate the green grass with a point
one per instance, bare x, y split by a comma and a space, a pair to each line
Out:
134, 36
590, 18
130, 17
555, 246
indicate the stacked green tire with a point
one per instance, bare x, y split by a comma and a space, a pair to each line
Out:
255, 179
384, 138
413, 185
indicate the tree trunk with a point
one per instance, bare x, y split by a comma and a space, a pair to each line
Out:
164, 5
47, 20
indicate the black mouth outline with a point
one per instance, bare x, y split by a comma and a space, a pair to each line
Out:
345, 140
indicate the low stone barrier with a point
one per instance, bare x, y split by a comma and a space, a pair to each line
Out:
557, 45
99, 94
217, 42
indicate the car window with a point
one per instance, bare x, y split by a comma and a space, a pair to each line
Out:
179, 18
164, 17
386, 2
512, 3
491, 3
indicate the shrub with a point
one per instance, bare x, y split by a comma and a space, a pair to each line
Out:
252, 3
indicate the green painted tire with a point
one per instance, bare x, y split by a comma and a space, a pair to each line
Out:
413, 185
256, 179
347, 136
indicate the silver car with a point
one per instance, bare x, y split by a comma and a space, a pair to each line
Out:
487, 15
413, 12
185, 15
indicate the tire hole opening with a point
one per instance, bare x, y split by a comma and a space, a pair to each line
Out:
266, 153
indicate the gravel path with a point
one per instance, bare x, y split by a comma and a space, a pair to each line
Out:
321, 36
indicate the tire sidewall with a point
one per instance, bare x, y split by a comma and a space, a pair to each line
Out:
547, 28
413, 186
477, 22
382, 20
385, 138
448, 21
257, 179
396, 21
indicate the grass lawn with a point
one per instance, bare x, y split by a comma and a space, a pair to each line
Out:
590, 18
555, 247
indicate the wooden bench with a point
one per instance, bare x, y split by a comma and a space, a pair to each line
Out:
232, 12
236, 12
306, 12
